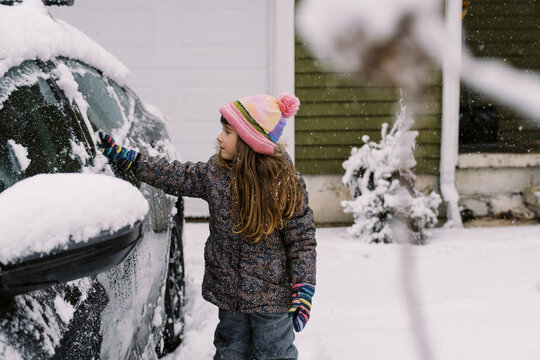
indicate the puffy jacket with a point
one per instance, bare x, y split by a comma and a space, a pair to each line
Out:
239, 276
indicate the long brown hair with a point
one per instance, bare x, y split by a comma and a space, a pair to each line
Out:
265, 190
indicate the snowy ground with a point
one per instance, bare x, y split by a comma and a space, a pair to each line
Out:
478, 289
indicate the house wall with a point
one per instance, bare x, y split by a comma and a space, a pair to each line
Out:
337, 111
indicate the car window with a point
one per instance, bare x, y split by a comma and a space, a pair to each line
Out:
147, 128
126, 102
35, 131
104, 111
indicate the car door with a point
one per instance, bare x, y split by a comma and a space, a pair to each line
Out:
39, 134
43, 130
137, 284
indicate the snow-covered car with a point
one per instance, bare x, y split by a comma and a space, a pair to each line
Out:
115, 294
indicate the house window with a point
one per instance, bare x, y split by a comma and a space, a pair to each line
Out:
507, 31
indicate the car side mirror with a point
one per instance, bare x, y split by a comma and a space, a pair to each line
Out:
60, 227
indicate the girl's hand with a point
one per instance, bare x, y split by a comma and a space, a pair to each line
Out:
119, 155
301, 304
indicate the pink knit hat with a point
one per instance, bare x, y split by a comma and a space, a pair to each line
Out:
259, 119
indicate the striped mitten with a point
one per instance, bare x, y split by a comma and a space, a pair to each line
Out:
116, 153
301, 304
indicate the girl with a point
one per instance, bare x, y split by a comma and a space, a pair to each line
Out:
260, 255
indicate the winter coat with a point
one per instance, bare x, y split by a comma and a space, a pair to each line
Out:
239, 276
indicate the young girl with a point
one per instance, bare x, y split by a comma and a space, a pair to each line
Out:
260, 255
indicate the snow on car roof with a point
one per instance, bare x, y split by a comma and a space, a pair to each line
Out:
28, 31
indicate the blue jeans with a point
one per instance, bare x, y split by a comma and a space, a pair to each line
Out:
242, 336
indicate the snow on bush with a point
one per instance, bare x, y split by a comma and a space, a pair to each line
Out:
381, 181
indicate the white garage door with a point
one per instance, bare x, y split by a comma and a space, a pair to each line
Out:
186, 57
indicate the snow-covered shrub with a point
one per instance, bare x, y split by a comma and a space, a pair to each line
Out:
381, 181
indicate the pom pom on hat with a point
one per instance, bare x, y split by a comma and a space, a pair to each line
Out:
288, 105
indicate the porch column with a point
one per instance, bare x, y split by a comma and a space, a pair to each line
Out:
450, 111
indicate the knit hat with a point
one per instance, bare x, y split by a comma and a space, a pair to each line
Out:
259, 119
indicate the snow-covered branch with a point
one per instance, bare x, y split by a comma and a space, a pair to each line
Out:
381, 181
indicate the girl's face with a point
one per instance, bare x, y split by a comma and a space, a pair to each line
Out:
227, 140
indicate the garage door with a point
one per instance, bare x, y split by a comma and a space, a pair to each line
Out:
186, 57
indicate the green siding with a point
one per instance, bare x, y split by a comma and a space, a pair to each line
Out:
327, 123
337, 111
331, 166
507, 30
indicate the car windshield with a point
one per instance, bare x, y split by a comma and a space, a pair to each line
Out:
36, 135
104, 105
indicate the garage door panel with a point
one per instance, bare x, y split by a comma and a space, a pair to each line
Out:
225, 31
141, 37
192, 104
